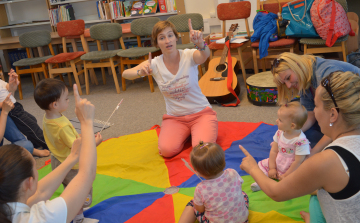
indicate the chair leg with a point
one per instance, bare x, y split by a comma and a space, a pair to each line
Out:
103, 71
69, 78
33, 79
86, 74
19, 87
114, 75
44, 70
305, 49
200, 71
263, 61
151, 83
104, 78
93, 75
73, 67
123, 81
211, 54
242, 64
256, 69
50, 70
343, 48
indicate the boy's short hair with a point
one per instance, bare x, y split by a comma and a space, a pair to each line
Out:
298, 114
48, 91
208, 159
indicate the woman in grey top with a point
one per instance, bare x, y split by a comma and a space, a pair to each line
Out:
335, 171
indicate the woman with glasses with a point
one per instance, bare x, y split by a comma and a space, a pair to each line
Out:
301, 75
334, 172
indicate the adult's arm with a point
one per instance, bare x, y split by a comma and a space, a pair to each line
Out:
323, 142
51, 182
79, 187
199, 56
144, 68
310, 121
323, 170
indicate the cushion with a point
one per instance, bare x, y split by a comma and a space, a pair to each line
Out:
71, 28
99, 55
319, 41
234, 10
216, 46
277, 43
31, 61
65, 57
185, 46
137, 51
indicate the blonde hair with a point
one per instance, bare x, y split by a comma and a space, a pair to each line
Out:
302, 66
208, 159
158, 28
345, 87
297, 113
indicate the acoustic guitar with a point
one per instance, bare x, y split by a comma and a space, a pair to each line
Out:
213, 83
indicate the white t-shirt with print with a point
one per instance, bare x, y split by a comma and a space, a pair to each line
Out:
301, 150
181, 92
54, 211
4, 92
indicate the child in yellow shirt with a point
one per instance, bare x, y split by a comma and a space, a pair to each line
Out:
51, 95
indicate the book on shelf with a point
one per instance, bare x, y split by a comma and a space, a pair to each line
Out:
162, 6
150, 7
61, 13
137, 8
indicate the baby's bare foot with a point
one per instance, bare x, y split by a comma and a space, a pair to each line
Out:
305, 216
41, 153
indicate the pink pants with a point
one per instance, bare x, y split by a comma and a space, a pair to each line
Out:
176, 130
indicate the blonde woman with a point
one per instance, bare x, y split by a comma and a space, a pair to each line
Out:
301, 74
335, 171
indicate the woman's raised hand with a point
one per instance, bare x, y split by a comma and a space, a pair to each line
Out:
84, 110
146, 67
196, 36
248, 162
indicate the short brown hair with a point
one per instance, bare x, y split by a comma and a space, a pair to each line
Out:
158, 28
298, 115
48, 91
208, 159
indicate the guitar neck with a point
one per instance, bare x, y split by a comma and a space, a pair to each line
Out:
223, 55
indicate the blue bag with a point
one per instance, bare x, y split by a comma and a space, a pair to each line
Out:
298, 14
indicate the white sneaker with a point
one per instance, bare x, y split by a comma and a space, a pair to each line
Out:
255, 187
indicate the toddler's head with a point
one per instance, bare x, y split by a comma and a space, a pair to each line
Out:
208, 159
291, 116
51, 95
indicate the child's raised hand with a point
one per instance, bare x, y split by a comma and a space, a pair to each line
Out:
7, 104
84, 110
98, 138
272, 173
248, 162
75, 149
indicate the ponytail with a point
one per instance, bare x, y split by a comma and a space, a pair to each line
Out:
16, 165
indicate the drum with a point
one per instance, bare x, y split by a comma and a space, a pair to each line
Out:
261, 89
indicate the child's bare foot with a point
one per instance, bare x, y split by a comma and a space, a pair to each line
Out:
41, 153
305, 216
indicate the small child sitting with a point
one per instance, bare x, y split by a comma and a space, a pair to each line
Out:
290, 145
51, 95
219, 198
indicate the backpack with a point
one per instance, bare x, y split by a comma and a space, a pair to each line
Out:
330, 20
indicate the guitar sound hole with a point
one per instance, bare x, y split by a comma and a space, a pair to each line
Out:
220, 67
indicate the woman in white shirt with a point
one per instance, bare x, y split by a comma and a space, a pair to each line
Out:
175, 72
334, 172
24, 199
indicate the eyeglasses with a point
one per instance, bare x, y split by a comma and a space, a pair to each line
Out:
275, 64
326, 84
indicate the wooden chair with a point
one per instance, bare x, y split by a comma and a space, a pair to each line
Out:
71, 59
37, 64
317, 45
103, 32
181, 24
139, 27
278, 46
232, 11
352, 44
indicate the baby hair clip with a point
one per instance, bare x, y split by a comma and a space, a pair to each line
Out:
202, 145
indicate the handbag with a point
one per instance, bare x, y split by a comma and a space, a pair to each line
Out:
298, 14
330, 20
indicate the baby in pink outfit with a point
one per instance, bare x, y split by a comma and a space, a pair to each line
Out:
290, 145
219, 198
